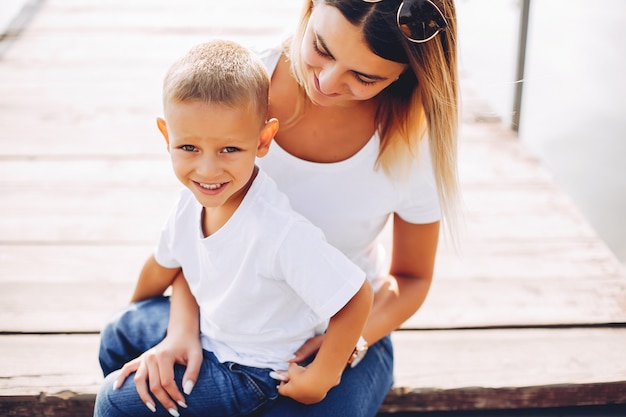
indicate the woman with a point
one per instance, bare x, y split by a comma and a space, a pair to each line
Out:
367, 95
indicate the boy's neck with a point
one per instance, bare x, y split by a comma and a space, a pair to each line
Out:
214, 218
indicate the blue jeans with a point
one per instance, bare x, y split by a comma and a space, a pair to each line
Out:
142, 325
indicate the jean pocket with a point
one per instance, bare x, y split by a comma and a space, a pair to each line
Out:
253, 387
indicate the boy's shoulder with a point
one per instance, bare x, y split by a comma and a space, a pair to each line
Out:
271, 206
267, 197
186, 199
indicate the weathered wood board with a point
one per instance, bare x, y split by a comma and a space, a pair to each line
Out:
529, 312
435, 370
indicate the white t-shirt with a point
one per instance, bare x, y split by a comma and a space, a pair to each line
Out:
265, 282
350, 200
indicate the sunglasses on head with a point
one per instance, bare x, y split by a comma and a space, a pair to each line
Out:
418, 20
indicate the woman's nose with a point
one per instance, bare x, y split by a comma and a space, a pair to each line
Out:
330, 79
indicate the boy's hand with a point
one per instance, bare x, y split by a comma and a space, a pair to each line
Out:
304, 386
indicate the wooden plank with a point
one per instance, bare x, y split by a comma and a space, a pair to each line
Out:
106, 88
508, 164
435, 370
73, 405
81, 405
88, 170
424, 359
60, 308
504, 257
507, 398
84, 194
480, 290
524, 303
508, 161
52, 364
146, 16
500, 358
84, 214
533, 258
69, 264
492, 369
81, 212
65, 404
83, 305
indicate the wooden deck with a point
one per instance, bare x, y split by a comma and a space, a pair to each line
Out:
531, 312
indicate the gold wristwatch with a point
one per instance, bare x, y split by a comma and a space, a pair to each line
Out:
359, 352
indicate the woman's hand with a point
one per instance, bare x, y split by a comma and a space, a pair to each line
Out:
155, 368
154, 371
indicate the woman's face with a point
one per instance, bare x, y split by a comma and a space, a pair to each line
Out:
341, 69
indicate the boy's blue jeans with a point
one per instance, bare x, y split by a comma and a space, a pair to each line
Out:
246, 391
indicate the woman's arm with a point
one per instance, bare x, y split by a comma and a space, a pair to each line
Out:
410, 276
154, 369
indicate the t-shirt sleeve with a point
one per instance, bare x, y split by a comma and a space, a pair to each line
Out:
420, 202
323, 277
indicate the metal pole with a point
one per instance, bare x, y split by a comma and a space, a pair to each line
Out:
521, 63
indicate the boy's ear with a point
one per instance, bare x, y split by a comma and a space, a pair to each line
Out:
163, 128
266, 136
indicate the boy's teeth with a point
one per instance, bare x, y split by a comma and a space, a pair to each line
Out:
210, 186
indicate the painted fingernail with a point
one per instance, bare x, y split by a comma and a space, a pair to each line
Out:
173, 412
276, 375
182, 403
187, 387
151, 407
116, 385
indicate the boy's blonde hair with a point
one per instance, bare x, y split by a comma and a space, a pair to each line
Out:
422, 103
219, 72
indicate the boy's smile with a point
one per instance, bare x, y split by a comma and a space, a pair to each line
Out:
211, 186
213, 149
210, 189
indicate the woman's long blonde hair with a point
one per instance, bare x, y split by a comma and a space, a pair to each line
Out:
423, 102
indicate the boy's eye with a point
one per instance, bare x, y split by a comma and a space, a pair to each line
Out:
188, 148
229, 149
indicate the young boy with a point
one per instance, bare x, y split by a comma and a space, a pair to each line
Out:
264, 278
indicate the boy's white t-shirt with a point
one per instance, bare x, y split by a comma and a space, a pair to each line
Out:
351, 200
265, 282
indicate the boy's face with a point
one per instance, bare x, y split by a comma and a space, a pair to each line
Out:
213, 148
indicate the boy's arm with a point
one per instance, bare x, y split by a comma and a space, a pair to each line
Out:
311, 384
153, 280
